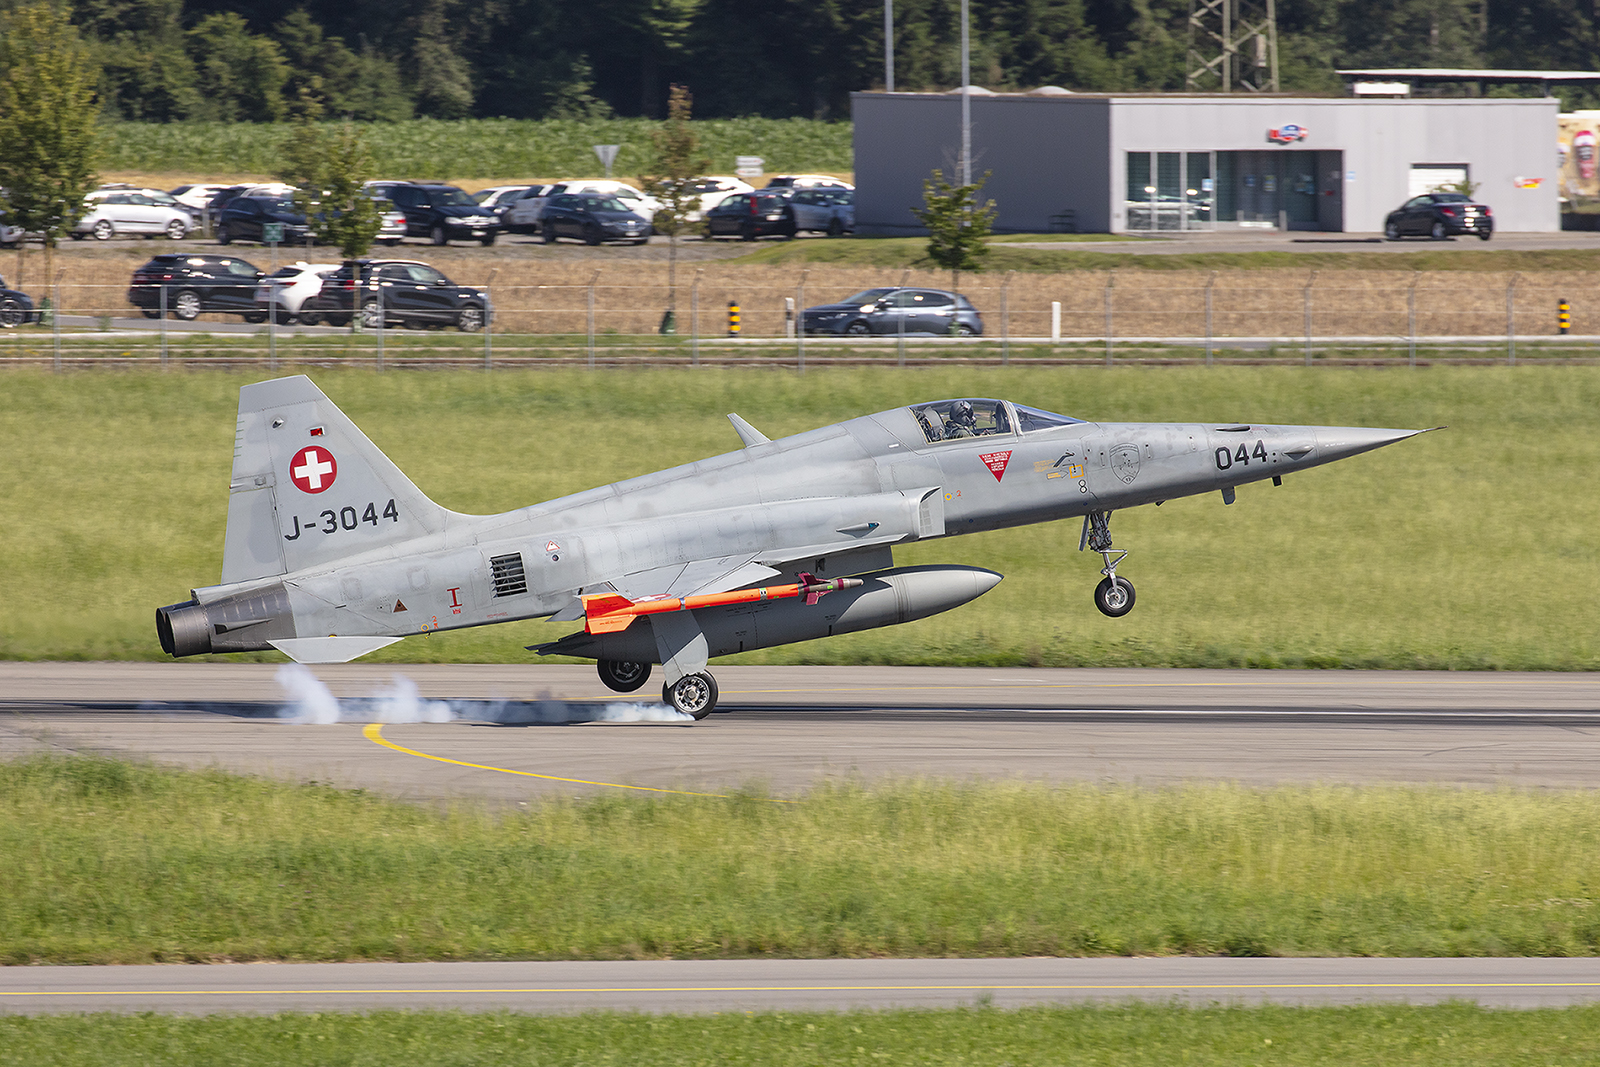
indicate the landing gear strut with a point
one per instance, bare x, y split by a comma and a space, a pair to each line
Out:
1114, 595
693, 694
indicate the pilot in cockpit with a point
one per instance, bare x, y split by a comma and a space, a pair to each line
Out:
963, 423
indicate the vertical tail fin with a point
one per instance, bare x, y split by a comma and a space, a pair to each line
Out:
308, 487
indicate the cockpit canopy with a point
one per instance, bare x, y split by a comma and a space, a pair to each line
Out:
948, 420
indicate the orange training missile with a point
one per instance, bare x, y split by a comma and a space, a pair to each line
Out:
606, 613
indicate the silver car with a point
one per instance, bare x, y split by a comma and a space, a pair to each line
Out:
824, 210
110, 212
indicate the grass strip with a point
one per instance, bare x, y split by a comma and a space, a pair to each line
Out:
1467, 549
112, 862
1390, 1035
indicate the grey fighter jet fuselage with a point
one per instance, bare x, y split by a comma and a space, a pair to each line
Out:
331, 552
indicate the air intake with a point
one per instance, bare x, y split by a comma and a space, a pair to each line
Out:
509, 577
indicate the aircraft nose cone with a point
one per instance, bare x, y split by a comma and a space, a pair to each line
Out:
1337, 442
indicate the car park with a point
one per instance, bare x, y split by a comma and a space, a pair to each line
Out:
195, 197
196, 284
245, 219
16, 307
110, 213
713, 189
525, 214
592, 218
823, 209
807, 181
283, 292
396, 292
893, 310
1439, 215
497, 198
441, 213
762, 213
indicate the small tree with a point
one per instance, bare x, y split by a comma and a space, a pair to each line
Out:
676, 164
957, 224
328, 169
48, 113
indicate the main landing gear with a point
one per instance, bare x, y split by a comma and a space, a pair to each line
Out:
693, 694
1114, 595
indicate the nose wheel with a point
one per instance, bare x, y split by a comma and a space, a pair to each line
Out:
1114, 595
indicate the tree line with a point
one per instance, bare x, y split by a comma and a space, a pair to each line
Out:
229, 60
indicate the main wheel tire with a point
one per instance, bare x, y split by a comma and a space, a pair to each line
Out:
747, 232
1391, 231
695, 695
255, 317
77, 235
186, 305
103, 230
964, 330
224, 237
1484, 235
150, 313
176, 230
310, 314
835, 228
281, 316
858, 329
470, 320
591, 237
1114, 599
372, 316
1437, 232
547, 233
487, 241
12, 313
438, 236
623, 676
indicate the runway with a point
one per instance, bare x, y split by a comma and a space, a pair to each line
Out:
787, 729
701, 986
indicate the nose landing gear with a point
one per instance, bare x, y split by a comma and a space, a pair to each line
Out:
1114, 595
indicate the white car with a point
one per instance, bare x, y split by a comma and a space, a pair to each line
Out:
286, 289
524, 213
824, 209
808, 181
109, 212
713, 190
394, 223
196, 197
497, 198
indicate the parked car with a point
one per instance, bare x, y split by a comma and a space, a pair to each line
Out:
520, 213
751, 215
9, 234
16, 307
497, 198
110, 212
824, 210
195, 285
892, 310
218, 201
807, 181
1439, 215
713, 190
245, 217
196, 197
441, 213
393, 229
592, 218
285, 290
396, 292
527, 212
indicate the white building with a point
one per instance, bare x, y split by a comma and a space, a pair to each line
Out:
1117, 163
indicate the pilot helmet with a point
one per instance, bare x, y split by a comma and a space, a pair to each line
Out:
961, 412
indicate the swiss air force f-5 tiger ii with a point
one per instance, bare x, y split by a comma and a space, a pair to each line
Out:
331, 552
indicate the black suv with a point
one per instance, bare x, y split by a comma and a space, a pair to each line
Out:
244, 216
592, 218
441, 213
412, 294
197, 284
752, 215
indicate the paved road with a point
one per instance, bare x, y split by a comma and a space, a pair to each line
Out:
695, 986
788, 728
1301, 241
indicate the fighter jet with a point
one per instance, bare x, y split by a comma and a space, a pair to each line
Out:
331, 552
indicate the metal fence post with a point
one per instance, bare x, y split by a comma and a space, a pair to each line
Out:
373, 284
1111, 281
272, 322
488, 321
900, 358
1511, 320
1209, 283
55, 320
694, 318
163, 321
1005, 320
1309, 283
592, 280
1411, 318
800, 321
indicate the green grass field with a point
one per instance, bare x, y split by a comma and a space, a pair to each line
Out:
1390, 1036
1467, 549
477, 148
111, 862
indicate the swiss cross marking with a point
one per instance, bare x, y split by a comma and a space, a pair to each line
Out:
313, 469
996, 462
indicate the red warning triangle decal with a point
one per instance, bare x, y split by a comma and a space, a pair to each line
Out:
996, 462
399, 605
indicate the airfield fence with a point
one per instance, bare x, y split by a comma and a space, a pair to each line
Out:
580, 315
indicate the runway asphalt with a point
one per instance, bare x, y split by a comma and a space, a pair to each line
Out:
701, 986
516, 732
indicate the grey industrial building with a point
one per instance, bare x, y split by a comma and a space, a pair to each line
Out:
1120, 163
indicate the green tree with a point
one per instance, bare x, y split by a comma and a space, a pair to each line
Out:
240, 75
145, 71
676, 164
958, 225
48, 122
328, 169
